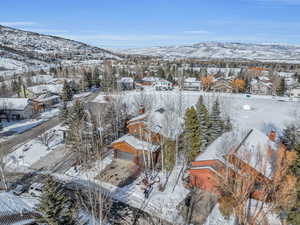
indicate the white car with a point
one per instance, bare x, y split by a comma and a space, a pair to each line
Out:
36, 189
19, 189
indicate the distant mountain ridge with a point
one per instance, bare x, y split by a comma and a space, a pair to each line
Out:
19, 48
224, 50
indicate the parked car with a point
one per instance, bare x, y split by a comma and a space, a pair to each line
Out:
36, 189
20, 189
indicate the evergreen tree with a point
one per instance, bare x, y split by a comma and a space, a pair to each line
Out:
64, 113
161, 73
14, 86
67, 93
169, 154
203, 118
216, 123
281, 89
171, 79
192, 134
77, 112
19, 86
203, 72
228, 125
55, 207
4, 89
29, 82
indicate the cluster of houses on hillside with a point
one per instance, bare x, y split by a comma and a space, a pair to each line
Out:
260, 85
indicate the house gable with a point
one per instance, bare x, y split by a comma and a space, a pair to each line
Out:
125, 147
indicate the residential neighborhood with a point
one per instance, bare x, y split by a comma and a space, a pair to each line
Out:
149, 113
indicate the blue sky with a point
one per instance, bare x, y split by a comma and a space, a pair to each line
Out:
144, 23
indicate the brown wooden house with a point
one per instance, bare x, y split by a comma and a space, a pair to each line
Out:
222, 85
142, 143
253, 155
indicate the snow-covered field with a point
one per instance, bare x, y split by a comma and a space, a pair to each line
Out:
217, 50
27, 154
97, 167
264, 110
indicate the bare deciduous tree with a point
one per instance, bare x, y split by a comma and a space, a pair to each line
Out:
241, 183
143, 100
46, 137
3, 163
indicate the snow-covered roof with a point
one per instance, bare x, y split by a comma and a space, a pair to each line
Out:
139, 117
264, 78
126, 80
48, 98
162, 81
191, 80
286, 74
42, 78
137, 143
264, 81
13, 103
150, 79
40, 89
254, 150
162, 121
12, 205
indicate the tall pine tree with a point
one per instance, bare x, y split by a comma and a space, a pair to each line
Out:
192, 135
216, 123
203, 118
67, 93
55, 207
281, 89
64, 113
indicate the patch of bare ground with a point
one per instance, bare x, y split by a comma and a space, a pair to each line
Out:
119, 173
197, 206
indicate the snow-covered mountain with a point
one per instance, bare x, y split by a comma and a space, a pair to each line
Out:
218, 50
23, 49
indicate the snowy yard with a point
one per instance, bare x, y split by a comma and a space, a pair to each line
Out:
216, 217
163, 204
29, 153
263, 109
97, 167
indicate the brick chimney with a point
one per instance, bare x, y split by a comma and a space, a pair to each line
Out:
141, 110
272, 135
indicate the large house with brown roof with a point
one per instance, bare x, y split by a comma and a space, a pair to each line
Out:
222, 85
253, 153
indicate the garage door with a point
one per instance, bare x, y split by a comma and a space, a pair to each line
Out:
124, 155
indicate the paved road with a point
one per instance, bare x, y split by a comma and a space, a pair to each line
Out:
11, 144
